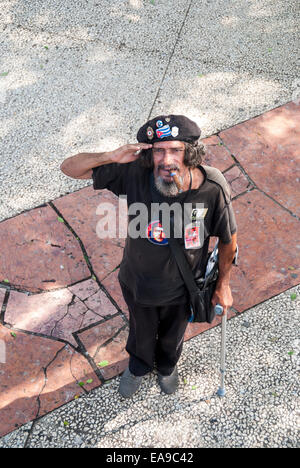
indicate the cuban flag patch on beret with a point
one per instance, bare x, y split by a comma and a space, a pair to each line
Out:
163, 132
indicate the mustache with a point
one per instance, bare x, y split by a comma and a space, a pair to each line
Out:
168, 168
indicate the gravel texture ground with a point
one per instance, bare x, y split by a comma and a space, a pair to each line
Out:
260, 409
83, 76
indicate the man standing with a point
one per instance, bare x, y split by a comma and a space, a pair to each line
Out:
165, 165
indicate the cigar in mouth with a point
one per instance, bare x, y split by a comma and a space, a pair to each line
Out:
176, 180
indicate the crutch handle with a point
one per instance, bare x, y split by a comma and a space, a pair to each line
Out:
218, 309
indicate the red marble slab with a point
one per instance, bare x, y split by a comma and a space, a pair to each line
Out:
22, 376
39, 253
269, 250
106, 343
48, 313
66, 377
58, 313
33, 312
101, 305
118, 356
112, 285
216, 154
84, 289
37, 375
267, 147
237, 181
81, 211
211, 140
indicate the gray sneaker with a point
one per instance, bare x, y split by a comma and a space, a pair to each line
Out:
169, 383
129, 384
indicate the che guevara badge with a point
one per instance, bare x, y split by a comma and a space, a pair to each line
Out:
155, 233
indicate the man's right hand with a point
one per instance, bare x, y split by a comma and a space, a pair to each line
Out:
127, 153
80, 166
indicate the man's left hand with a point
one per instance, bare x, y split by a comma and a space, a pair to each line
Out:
222, 296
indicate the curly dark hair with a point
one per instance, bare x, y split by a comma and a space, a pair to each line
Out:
193, 156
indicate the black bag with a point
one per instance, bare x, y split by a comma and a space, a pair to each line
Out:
200, 291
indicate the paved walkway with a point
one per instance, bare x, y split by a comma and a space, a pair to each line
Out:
63, 321
260, 409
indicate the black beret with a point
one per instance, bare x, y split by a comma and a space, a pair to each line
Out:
168, 128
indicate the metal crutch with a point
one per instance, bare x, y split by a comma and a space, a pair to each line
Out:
219, 310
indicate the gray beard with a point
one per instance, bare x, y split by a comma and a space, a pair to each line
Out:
165, 188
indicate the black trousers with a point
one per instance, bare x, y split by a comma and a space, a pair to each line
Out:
156, 335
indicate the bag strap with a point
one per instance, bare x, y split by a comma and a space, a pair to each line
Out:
183, 265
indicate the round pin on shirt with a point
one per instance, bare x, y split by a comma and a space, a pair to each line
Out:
155, 233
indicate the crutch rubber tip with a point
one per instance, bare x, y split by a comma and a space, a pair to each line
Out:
221, 392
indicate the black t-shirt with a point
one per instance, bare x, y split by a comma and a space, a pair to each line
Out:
148, 268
